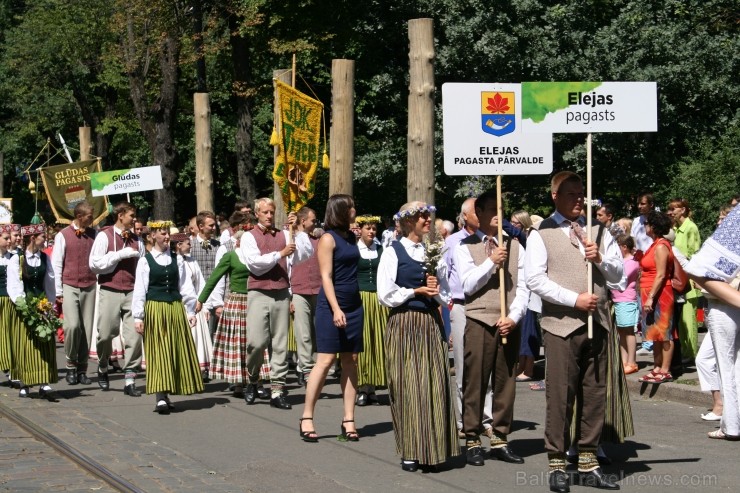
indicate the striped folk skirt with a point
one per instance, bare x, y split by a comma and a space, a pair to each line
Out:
173, 363
419, 387
33, 361
8, 317
371, 362
229, 360
618, 423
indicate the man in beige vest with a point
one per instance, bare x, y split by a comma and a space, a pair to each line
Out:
556, 270
478, 259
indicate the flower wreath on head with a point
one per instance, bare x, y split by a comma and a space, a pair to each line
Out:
367, 219
152, 225
414, 211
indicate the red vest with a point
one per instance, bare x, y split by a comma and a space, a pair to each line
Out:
76, 264
277, 277
124, 274
305, 277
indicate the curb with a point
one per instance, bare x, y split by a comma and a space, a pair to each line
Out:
676, 392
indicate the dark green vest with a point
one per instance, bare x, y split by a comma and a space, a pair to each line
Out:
3, 280
367, 272
33, 277
164, 282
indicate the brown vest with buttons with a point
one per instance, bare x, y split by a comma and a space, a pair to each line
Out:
567, 267
485, 304
277, 277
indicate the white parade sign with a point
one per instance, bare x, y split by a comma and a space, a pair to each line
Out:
483, 135
126, 181
589, 107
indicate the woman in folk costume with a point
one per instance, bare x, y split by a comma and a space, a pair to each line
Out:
35, 361
161, 289
11, 289
370, 362
180, 242
229, 360
415, 345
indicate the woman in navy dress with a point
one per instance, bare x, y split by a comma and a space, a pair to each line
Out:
339, 315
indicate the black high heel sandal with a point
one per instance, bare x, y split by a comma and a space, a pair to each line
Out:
348, 436
306, 435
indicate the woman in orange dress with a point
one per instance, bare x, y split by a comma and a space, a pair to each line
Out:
656, 294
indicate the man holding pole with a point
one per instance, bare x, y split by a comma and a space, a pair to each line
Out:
487, 356
556, 270
469, 225
267, 253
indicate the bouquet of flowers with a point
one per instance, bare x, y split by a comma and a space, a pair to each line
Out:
38, 314
434, 251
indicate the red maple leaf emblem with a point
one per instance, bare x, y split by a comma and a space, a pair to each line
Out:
498, 104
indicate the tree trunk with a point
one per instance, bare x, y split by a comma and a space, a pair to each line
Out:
91, 114
200, 61
243, 137
420, 180
157, 117
342, 126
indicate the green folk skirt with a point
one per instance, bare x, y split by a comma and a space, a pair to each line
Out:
8, 317
33, 361
172, 362
371, 361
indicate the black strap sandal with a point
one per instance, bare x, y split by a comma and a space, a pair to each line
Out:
348, 436
306, 435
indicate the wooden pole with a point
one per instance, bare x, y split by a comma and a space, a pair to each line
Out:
420, 178
85, 143
590, 265
501, 271
292, 73
342, 156
281, 217
203, 147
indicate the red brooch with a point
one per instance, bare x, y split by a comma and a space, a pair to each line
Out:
79, 232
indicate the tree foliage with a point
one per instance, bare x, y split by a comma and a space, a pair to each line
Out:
63, 63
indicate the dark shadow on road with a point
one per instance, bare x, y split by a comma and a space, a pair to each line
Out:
376, 429
528, 447
523, 425
198, 404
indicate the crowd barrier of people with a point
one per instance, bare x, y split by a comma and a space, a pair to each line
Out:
382, 311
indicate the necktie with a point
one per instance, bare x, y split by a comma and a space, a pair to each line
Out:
205, 244
489, 245
577, 235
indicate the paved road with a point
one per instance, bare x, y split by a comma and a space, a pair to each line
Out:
27, 464
217, 443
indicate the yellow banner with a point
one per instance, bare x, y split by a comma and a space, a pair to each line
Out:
298, 150
67, 185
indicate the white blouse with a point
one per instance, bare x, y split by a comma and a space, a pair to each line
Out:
141, 286
391, 294
14, 285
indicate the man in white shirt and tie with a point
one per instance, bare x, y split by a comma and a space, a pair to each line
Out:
556, 270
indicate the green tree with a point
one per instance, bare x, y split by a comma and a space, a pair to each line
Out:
708, 177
